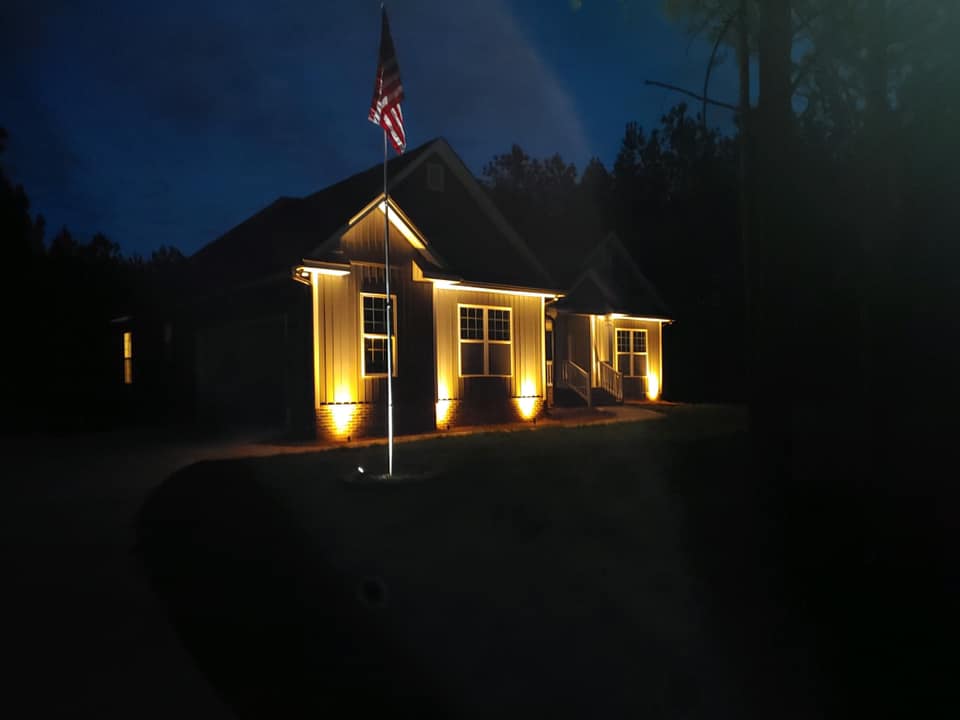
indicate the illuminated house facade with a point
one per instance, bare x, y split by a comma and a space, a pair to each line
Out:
607, 330
300, 336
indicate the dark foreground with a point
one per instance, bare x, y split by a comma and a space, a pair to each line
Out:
635, 570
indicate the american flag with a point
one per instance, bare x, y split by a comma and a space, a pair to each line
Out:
388, 92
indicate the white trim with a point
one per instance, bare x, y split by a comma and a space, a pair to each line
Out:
394, 181
457, 285
485, 342
660, 362
400, 223
543, 349
617, 353
307, 271
381, 336
315, 298
594, 374
622, 316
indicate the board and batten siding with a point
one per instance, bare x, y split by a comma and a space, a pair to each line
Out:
526, 340
606, 338
338, 329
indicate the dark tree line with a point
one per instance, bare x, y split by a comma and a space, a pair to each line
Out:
671, 198
843, 185
852, 167
61, 295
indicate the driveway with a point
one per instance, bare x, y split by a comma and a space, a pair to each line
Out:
88, 637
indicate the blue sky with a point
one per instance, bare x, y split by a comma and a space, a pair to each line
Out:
169, 124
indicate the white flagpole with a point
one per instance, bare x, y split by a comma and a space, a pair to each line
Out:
386, 262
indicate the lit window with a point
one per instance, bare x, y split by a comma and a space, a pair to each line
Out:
632, 352
375, 341
128, 358
485, 347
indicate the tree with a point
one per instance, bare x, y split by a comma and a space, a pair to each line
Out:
16, 227
853, 173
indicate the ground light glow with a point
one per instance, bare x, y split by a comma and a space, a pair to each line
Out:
444, 405
527, 402
653, 386
341, 412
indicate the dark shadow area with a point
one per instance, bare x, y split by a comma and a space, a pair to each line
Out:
837, 591
278, 631
534, 574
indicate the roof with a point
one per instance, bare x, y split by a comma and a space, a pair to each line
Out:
464, 229
278, 236
611, 282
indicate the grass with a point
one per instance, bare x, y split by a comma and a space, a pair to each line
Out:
629, 570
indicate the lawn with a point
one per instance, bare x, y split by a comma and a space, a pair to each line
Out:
623, 570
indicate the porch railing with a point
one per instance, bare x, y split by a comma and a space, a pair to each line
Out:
611, 380
577, 379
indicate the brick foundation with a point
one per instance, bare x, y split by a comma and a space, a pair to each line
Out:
460, 413
343, 422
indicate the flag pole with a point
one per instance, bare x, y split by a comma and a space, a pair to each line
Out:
390, 330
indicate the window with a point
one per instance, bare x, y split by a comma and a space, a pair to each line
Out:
375, 341
632, 352
128, 358
485, 341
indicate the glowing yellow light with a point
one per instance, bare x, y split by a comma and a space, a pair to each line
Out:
653, 386
400, 225
338, 272
624, 316
128, 358
341, 412
342, 415
527, 403
457, 285
443, 412
444, 404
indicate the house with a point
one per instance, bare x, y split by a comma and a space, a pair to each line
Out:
607, 330
290, 323
469, 307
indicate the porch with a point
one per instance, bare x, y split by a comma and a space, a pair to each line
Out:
597, 360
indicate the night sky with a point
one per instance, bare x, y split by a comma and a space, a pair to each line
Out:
168, 123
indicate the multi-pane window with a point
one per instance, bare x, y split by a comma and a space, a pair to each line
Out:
375, 341
632, 352
498, 324
484, 341
471, 323
128, 358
